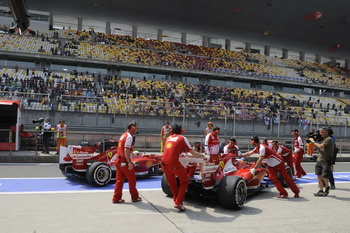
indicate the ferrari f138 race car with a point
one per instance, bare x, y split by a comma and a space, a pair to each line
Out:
232, 178
99, 170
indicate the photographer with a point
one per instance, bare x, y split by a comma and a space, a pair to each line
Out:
323, 164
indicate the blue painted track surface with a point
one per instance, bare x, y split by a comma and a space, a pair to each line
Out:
18, 185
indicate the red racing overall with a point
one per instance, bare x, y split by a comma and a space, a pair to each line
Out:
174, 146
211, 148
287, 156
126, 141
276, 165
298, 156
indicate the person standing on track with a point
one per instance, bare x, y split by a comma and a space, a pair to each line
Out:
125, 167
174, 146
164, 134
309, 145
286, 154
324, 161
212, 148
209, 128
275, 165
46, 128
232, 148
61, 138
298, 153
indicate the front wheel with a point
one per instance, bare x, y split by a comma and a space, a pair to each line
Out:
99, 174
232, 192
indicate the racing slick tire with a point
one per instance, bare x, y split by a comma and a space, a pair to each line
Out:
99, 174
165, 187
232, 193
289, 172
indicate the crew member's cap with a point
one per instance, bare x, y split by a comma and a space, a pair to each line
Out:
295, 130
210, 123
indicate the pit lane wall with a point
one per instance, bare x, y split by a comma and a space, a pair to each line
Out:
103, 122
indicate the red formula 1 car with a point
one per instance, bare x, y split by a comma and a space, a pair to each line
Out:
233, 180
99, 169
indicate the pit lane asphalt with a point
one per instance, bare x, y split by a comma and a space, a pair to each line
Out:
94, 212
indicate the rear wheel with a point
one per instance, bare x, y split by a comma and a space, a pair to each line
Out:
165, 186
99, 174
232, 192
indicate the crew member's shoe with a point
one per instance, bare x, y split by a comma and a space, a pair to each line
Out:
282, 196
332, 187
180, 207
118, 201
296, 195
326, 192
320, 193
137, 199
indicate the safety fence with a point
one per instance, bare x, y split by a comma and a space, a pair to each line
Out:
113, 113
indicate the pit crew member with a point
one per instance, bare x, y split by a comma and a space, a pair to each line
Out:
232, 148
174, 146
212, 148
209, 128
164, 134
275, 165
125, 167
298, 153
286, 154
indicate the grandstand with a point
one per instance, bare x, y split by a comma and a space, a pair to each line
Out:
108, 79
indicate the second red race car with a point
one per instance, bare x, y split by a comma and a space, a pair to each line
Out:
232, 178
99, 169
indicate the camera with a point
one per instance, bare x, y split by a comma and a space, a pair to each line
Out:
41, 120
315, 135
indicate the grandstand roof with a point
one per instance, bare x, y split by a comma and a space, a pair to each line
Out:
244, 20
